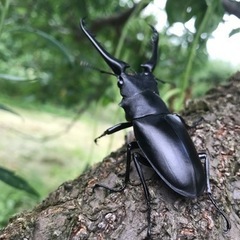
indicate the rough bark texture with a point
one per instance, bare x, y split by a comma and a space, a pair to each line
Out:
74, 211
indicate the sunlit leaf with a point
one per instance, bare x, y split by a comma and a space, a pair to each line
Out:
14, 78
15, 181
7, 109
234, 31
182, 11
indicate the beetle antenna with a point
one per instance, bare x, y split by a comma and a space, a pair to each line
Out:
228, 224
88, 65
160, 80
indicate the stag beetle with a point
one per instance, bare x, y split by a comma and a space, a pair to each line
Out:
161, 137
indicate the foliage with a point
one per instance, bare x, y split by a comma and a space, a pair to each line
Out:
17, 182
207, 16
12, 201
6, 175
5, 108
46, 45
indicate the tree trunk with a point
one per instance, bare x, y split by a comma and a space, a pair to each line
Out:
74, 211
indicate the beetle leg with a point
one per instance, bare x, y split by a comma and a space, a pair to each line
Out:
194, 124
204, 156
131, 146
136, 159
113, 129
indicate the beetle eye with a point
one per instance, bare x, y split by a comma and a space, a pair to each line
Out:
120, 82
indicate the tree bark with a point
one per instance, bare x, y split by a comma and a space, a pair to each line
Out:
74, 211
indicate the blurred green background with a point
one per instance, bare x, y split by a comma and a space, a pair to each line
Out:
53, 103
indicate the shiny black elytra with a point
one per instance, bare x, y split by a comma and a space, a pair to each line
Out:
161, 137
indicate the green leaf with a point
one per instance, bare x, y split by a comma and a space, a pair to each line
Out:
5, 108
14, 78
172, 9
234, 31
11, 179
182, 11
49, 38
171, 93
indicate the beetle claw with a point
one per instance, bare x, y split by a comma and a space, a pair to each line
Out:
228, 224
96, 139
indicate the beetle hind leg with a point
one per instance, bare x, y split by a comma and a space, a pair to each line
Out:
137, 159
193, 125
209, 192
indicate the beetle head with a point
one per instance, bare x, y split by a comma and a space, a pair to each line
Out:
131, 84
134, 82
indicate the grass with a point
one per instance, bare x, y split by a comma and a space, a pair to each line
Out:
19, 102
47, 164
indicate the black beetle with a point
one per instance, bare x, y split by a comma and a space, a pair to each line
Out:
161, 137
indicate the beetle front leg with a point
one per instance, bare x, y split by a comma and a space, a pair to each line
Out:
131, 146
204, 156
113, 129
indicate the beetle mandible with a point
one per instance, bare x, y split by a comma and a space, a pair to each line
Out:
161, 136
